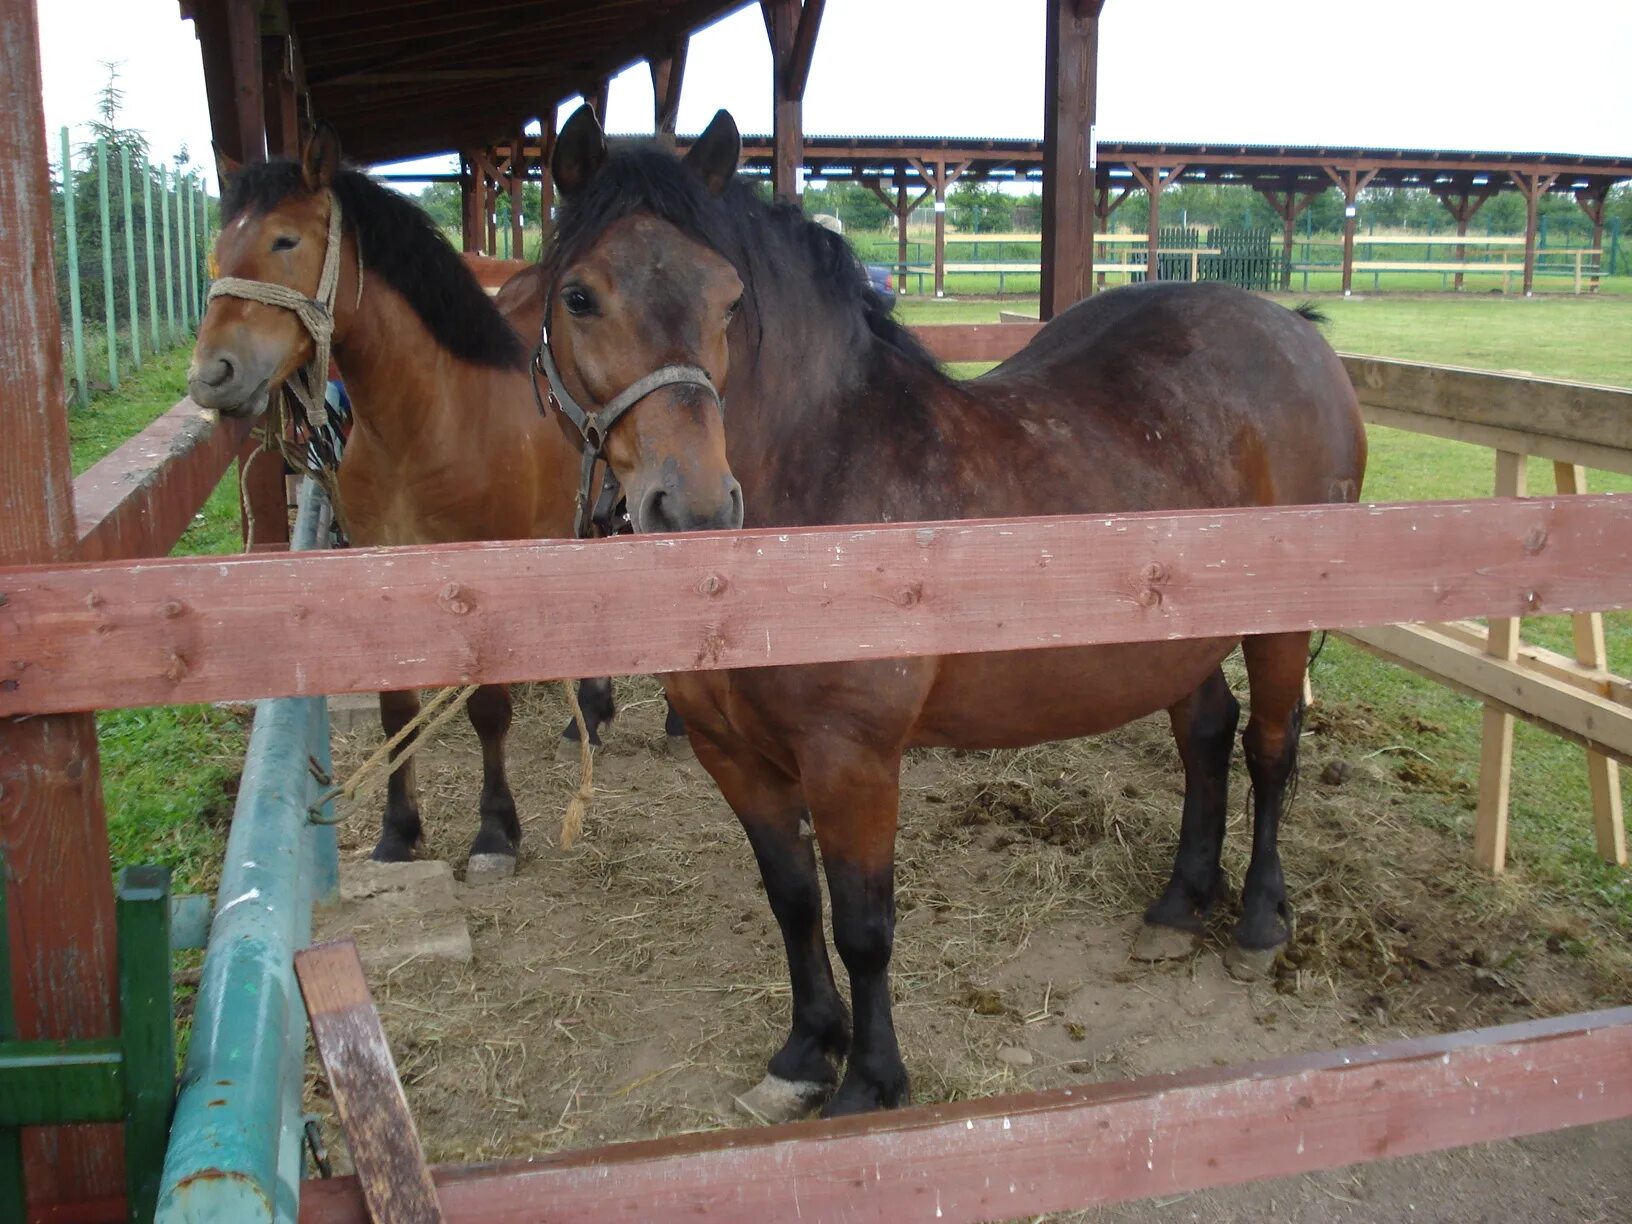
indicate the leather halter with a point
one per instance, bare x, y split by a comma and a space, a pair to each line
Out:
595, 426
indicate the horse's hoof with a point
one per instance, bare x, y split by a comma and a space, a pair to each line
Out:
679, 747
1164, 943
775, 1099
1250, 964
489, 868
566, 751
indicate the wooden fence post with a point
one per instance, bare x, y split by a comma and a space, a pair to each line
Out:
58, 892
1603, 774
1496, 751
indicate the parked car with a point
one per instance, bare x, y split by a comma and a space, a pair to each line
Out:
878, 276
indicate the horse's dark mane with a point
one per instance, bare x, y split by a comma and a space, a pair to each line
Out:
764, 242
401, 245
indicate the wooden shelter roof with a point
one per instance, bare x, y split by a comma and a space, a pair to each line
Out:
406, 78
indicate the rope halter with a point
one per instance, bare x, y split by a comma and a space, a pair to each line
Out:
316, 315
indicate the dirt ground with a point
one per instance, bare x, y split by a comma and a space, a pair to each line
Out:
630, 986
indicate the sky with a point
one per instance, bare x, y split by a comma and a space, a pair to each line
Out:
1405, 73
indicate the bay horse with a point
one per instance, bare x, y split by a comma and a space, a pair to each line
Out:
447, 442
1165, 396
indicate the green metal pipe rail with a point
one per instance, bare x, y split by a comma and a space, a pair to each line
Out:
235, 1143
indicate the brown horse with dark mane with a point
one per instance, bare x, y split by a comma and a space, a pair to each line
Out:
1158, 397
447, 441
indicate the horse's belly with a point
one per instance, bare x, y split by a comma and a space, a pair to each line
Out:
1016, 698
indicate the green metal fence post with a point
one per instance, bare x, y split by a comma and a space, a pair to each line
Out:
70, 217
184, 215
152, 280
147, 1031
13, 1200
110, 315
130, 263
169, 263
201, 272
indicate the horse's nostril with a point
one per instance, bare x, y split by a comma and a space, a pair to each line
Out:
734, 512
218, 373
654, 514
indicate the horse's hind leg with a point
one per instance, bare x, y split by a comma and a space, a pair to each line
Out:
598, 708
400, 828
1204, 728
493, 853
1275, 667
772, 811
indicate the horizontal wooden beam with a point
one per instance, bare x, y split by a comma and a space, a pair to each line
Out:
1518, 688
1083, 1146
1573, 412
976, 341
139, 500
1551, 663
1546, 446
179, 630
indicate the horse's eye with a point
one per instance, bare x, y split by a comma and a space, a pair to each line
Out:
731, 310
578, 301
285, 242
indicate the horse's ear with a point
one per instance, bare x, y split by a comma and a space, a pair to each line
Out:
225, 167
320, 158
580, 151
714, 157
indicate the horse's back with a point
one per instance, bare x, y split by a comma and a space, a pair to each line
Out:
1183, 395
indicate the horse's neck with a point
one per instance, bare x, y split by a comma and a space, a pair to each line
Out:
403, 385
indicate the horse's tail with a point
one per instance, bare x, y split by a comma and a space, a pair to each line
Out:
1311, 312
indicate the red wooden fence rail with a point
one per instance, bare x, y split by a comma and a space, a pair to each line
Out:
1003, 1157
216, 628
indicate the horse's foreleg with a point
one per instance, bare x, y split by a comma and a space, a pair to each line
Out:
598, 708
772, 812
853, 792
1275, 668
675, 728
400, 829
493, 853
1204, 726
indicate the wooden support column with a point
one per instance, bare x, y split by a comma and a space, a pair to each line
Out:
1603, 773
236, 78
902, 208
1104, 205
792, 26
491, 186
57, 939
473, 189
1154, 180
1070, 151
1462, 204
1593, 200
1288, 206
546, 181
1533, 186
1496, 751
517, 178
938, 178
597, 96
1351, 181
668, 74
281, 99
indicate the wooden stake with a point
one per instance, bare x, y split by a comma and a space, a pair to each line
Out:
351, 1045
1496, 750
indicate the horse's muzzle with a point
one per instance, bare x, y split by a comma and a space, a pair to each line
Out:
670, 509
222, 384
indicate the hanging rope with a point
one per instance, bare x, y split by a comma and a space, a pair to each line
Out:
379, 766
572, 820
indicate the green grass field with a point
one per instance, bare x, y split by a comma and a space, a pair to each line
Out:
169, 773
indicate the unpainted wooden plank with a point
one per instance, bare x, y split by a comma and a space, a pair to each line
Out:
350, 1041
179, 630
1074, 1147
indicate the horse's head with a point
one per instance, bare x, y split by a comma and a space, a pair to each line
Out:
637, 319
269, 261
